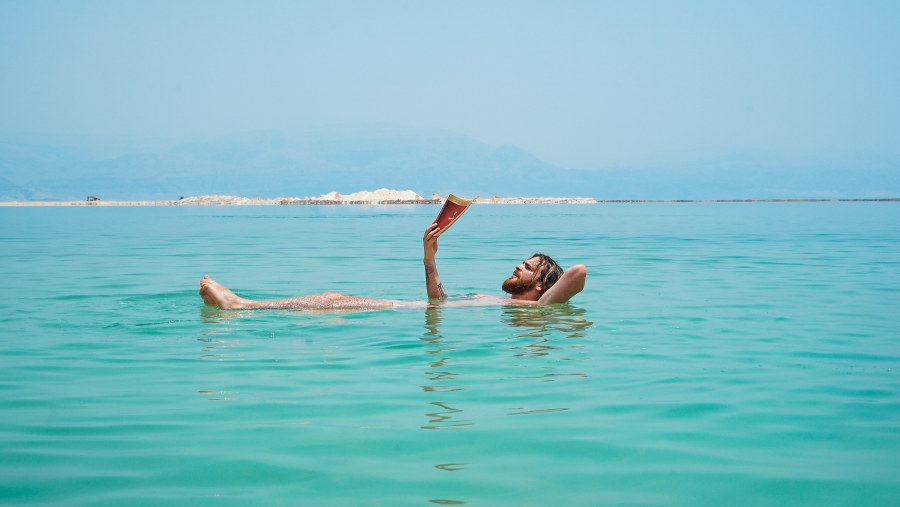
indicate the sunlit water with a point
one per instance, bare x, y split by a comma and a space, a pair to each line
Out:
721, 354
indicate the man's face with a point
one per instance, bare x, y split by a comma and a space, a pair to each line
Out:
524, 278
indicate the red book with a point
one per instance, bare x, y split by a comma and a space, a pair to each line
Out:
453, 208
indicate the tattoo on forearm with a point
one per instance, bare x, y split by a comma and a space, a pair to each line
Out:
441, 290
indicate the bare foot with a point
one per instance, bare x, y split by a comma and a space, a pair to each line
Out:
214, 294
204, 293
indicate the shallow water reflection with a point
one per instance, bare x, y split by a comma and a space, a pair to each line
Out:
446, 418
217, 349
442, 379
546, 344
542, 321
550, 332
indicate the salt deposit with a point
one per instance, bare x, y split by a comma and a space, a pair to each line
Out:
365, 196
215, 200
380, 196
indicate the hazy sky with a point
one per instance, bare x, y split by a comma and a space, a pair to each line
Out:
580, 84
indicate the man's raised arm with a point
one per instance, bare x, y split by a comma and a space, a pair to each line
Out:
569, 284
432, 280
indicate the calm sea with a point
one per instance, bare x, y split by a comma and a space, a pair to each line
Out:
721, 354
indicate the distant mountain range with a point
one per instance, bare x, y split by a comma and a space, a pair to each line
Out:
349, 159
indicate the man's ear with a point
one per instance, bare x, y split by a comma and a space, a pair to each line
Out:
540, 287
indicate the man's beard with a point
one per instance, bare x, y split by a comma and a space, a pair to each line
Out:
515, 286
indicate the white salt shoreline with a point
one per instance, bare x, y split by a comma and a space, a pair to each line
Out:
219, 200
380, 196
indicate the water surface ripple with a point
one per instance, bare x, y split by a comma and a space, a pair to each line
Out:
721, 353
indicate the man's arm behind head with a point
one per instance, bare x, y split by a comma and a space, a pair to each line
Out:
569, 284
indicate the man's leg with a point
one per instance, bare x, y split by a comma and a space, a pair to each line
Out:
215, 294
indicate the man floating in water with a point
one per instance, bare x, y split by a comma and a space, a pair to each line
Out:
536, 281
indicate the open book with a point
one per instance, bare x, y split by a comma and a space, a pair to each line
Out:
452, 209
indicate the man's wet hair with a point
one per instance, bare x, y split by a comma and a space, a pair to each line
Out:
550, 271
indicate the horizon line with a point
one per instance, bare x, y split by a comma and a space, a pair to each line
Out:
284, 202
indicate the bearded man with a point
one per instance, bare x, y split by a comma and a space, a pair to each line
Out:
538, 280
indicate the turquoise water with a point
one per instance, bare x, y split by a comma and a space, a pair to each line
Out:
721, 354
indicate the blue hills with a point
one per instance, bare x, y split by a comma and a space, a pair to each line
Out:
351, 158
